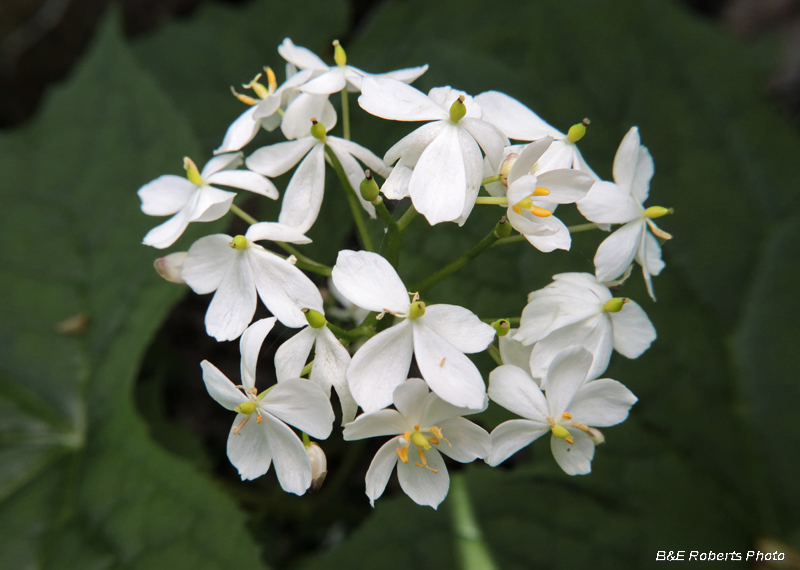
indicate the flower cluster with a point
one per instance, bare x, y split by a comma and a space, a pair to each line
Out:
549, 364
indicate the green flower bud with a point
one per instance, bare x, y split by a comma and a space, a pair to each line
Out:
615, 305
318, 130
458, 109
316, 320
369, 188
338, 54
503, 228
417, 310
576, 132
657, 211
502, 327
245, 408
239, 242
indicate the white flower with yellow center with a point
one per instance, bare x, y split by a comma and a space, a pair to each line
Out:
576, 309
571, 410
259, 436
438, 336
194, 199
621, 202
424, 426
240, 270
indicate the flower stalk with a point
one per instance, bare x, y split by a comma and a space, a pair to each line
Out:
473, 552
355, 205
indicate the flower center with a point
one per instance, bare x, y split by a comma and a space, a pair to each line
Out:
192, 173
458, 110
614, 305
318, 130
527, 204
422, 440
560, 431
239, 242
576, 132
248, 408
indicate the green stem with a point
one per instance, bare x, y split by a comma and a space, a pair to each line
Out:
244, 215
306, 439
367, 329
501, 200
345, 114
473, 552
454, 266
395, 235
490, 179
355, 205
582, 228
494, 352
511, 239
406, 218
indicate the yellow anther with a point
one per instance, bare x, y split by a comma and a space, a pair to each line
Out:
658, 211
258, 418
245, 408
458, 110
239, 242
420, 440
260, 90
416, 427
614, 305
272, 82
560, 431
424, 461
576, 132
437, 431
541, 192
407, 436
243, 98
540, 212
191, 172
566, 416
402, 452
417, 310
569, 440
434, 441
339, 56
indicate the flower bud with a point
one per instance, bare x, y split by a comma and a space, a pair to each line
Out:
614, 305
369, 188
339, 56
319, 465
170, 266
576, 132
318, 130
239, 242
657, 211
316, 320
191, 172
503, 228
417, 310
458, 109
505, 168
501, 327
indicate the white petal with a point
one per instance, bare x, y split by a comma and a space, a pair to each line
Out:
380, 365
627, 159
446, 96
391, 99
373, 162
246, 180
514, 352
250, 346
513, 118
283, 288
412, 145
296, 121
458, 326
292, 465
565, 186
211, 204
274, 160
249, 451
423, 485
438, 185
640, 185
473, 172
435, 410
227, 161
449, 373
557, 237
234, 303
592, 334
209, 260
575, 458
291, 356
303, 197
565, 375
302, 404
527, 159
617, 251
274, 231
166, 234
649, 257
396, 186
301, 57
376, 424
354, 172
367, 280
633, 331
602, 403
332, 81
607, 203
468, 440
488, 137
220, 388
511, 436
409, 398
331, 360
407, 75
241, 131
513, 388
381, 469
165, 195
560, 155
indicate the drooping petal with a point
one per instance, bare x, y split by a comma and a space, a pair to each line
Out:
250, 346
468, 441
381, 469
283, 288
274, 231
447, 370
376, 424
220, 388
302, 404
391, 99
602, 403
557, 236
513, 388
380, 365
303, 197
165, 195
249, 450
275, 159
458, 326
246, 180
490, 139
407, 75
291, 356
413, 144
331, 361
241, 131
234, 302
367, 280
511, 436
409, 398
565, 375
438, 185
210, 204
633, 331
574, 458
292, 465
514, 352
528, 225
227, 161
209, 260
332, 81
424, 486
300, 57
513, 118
396, 186
296, 121
618, 250
164, 235
607, 203
649, 257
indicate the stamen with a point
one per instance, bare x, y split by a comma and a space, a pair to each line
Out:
569, 440
416, 427
437, 431
380, 316
658, 231
258, 416
424, 461
402, 452
540, 212
239, 427
434, 441
441, 364
272, 82
566, 416
260, 90
541, 192
243, 98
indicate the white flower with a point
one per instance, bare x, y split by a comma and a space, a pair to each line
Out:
514, 352
334, 79
347, 311
238, 269
331, 360
170, 266
424, 426
570, 412
437, 336
193, 199
518, 122
259, 435
303, 197
532, 199
576, 309
445, 155
621, 203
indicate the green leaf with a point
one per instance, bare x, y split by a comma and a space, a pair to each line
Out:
82, 485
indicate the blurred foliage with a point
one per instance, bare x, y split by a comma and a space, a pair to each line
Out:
709, 457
